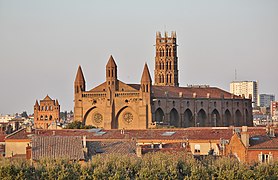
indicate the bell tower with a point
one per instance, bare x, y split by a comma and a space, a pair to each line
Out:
166, 60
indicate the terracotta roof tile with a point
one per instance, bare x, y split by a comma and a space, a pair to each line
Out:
187, 92
263, 142
118, 147
57, 147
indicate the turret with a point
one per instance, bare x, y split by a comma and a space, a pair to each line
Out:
146, 81
79, 87
79, 83
111, 74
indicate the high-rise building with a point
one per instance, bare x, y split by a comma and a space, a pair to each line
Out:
265, 99
248, 89
166, 60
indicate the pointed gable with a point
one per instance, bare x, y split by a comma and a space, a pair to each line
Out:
146, 77
47, 98
79, 75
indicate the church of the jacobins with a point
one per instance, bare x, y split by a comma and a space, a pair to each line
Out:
118, 105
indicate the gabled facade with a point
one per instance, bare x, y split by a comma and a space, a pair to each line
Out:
250, 147
46, 112
114, 104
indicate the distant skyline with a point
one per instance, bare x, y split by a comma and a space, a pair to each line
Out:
43, 42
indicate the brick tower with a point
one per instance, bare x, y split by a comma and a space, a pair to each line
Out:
46, 112
166, 60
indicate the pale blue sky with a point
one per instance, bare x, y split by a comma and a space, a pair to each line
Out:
43, 42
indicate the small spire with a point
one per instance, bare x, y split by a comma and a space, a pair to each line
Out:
37, 103
79, 75
57, 103
146, 77
111, 62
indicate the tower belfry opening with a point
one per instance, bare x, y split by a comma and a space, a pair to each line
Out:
166, 60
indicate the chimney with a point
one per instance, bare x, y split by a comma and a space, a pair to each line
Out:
208, 95
245, 136
85, 149
194, 95
28, 152
271, 131
138, 150
29, 129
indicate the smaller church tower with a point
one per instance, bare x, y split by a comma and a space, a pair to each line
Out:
146, 81
111, 75
46, 112
146, 91
166, 60
79, 87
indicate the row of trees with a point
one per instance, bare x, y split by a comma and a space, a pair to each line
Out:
150, 166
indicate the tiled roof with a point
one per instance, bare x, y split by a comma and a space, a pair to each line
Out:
20, 134
169, 147
263, 142
187, 92
57, 147
119, 147
193, 133
2, 137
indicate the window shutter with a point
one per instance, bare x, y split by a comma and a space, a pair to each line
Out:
260, 157
270, 157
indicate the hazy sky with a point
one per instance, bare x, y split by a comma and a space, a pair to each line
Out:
43, 42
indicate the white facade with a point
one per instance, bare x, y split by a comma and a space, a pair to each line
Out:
265, 99
6, 118
247, 89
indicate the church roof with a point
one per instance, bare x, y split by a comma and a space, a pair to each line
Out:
146, 77
187, 92
79, 75
47, 98
111, 62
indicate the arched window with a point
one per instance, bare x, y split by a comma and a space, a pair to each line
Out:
170, 52
42, 108
170, 65
167, 65
41, 118
162, 65
46, 118
170, 78
162, 78
147, 88
50, 117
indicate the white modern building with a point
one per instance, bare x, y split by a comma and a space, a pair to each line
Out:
248, 89
265, 99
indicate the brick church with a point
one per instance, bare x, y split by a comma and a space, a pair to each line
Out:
117, 105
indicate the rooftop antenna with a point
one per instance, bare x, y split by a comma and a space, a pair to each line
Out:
235, 75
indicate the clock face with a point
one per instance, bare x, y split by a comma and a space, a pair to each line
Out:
97, 118
128, 117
